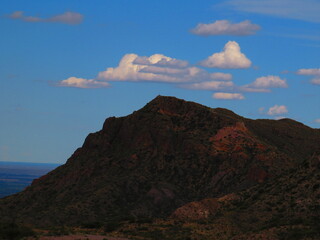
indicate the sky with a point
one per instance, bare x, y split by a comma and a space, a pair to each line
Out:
66, 66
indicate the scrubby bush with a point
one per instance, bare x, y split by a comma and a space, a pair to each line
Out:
13, 231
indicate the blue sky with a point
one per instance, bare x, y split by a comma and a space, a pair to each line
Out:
65, 66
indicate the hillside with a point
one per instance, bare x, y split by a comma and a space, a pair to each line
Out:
161, 157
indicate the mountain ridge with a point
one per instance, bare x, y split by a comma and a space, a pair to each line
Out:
169, 153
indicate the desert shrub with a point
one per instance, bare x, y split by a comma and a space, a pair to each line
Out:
58, 231
92, 225
13, 231
111, 226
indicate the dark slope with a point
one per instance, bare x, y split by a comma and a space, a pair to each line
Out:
158, 158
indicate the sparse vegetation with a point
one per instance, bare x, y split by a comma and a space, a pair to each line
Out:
13, 231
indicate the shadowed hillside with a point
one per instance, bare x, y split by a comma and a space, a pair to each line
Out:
161, 157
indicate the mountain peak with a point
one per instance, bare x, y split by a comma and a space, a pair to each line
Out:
159, 158
169, 105
166, 101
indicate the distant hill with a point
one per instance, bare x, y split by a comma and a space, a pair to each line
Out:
160, 158
16, 176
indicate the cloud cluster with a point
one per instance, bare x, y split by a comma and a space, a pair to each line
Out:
277, 110
161, 68
66, 18
228, 96
157, 68
230, 57
225, 27
314, 72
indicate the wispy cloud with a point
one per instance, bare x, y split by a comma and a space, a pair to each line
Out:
314, 72
225, 27
228, 96
230, 57
210, 85
82, 83
65, 18
263, 84
306, 10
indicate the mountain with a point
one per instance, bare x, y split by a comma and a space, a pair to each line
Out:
158, 159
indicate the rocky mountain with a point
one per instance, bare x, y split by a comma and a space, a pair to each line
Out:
168, 159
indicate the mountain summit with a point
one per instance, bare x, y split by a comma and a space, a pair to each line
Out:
159, 158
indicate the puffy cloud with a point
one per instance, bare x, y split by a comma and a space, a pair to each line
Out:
230, 57
161, 61
210, 85
277, 110
315, 72
66, 18
82, 83
157, 68
135, 68
228, 96
269, 82
225, 27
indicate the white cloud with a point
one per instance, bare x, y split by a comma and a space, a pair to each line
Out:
82, 83
210, 85
225, 27
307, 10
247, 88
161, 61
315, 72
309, 71
157, 68
129, 70
230, 57
269, 82
277, 110
228, 96
317, 120
66, 18
221, 76
315, 81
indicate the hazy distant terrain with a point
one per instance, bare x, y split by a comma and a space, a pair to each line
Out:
15, 176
